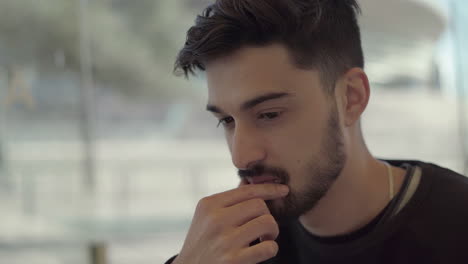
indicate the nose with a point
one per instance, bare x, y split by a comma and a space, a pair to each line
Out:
246, 148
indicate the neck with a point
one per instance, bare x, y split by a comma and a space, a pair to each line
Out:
358, 195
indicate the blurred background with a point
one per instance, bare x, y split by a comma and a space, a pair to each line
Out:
104, 152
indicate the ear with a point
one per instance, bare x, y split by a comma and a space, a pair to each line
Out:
355, 95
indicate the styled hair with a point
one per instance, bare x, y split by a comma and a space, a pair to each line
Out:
318, 34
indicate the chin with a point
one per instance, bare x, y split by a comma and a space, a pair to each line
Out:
279, 210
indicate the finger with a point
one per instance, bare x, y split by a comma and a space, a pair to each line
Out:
264, 226
267, 191
246, 211
258, 253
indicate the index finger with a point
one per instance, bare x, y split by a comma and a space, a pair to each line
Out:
266, 191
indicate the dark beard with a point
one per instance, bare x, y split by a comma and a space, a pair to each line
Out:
324, 169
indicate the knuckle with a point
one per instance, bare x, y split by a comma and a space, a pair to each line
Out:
258, 203
249, 192
273, 225
268, 219
268, 250
212, 219
271, 249
268, 222
203, 204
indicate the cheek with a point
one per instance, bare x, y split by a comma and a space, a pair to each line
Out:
297, 144
297, 171
290, 147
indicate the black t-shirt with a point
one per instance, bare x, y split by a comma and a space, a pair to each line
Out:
426, 222
432, 227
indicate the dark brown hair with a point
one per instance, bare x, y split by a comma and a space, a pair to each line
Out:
319, 34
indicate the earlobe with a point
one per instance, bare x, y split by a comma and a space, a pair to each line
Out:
357, 95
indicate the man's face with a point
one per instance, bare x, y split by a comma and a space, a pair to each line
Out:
278, 122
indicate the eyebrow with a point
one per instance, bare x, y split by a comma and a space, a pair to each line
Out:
251, 103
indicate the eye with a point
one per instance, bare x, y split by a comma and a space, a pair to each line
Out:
225, 121
269, 115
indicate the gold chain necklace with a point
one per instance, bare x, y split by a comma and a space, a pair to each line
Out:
390, 180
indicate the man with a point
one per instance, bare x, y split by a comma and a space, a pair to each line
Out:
286, 81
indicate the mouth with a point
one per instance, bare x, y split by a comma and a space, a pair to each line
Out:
262, 179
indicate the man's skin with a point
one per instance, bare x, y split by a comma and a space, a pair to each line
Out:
286, 132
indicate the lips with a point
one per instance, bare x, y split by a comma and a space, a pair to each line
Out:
262, 179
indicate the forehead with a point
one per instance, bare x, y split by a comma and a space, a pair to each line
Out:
254, 71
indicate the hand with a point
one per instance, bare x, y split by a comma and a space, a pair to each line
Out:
225, 224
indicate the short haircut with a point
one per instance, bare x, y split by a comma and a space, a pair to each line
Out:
318, 34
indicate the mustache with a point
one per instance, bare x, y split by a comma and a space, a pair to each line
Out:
259, 170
